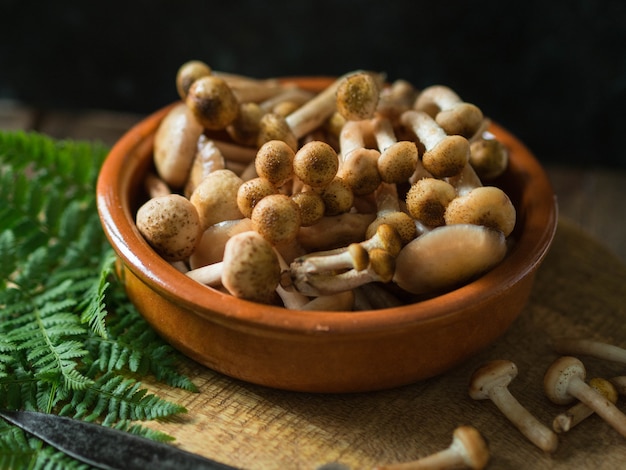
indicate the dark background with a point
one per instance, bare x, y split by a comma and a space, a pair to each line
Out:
554, 73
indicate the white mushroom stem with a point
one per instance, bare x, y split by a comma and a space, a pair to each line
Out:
235, 153
465, 181
358, 164
380, 269
208, 159
581, 411
451, 113
445, 155
564, 382
467, 450
491, 381
294, 95
250, 269
448, 256
398, 159
588, 347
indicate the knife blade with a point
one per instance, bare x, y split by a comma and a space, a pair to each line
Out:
105, 447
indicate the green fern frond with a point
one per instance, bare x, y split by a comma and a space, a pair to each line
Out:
70, 340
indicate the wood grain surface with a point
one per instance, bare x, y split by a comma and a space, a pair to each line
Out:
580, 290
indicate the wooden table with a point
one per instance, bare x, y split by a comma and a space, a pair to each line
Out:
580, 291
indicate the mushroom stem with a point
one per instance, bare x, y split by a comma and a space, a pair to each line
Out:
619, 383
388, 212
445, 155
358, 165
564, 382
467, 450
491, 381
588, 347
451, 113
398, 159
581, 411
380, 269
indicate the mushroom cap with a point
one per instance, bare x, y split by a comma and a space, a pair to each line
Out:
337, 197
360, 171
448, 157
274, 162
316, 163
251, 267
397, 163
175, 145
486, 205
427, 199
215, 197
403, 224
277, 218
556, 381
245, 127
496, 373
188, 73
251, 192
171, 225
210, 248
488, 157
273, 126
447, 256
471, 446
311, 207
212, 102
357, 96
463, 119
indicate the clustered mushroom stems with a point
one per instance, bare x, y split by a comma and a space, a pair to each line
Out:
564, 382
336, 198
491, 381
467, 450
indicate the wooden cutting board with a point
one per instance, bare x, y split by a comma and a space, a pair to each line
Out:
580, 290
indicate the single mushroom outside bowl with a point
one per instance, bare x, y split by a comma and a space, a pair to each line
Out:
322, 351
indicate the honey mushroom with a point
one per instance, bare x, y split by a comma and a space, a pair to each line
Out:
564, 381
175, 145
316, 164
490, 381
212, 102
379, 269
277, 218
215, 197
208, 158
250, 269
488, 206
303, 120
395, 99
335, 231
337, 197
388, 212
274, 162
427, 200
357, 96
445, 155
188, 73
467, 450
311, 205
565, 421
454, 115
358, 165
250, 192
448, 256
398, 159
354, 256
171, 225
488, 156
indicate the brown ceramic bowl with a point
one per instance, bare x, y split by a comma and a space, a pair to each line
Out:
323, 351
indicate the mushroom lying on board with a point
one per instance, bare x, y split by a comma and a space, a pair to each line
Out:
467, 450
490, 381
564, 381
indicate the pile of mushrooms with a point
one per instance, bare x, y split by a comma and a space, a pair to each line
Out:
314, 195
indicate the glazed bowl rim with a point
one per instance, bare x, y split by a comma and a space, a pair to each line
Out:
530, 248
